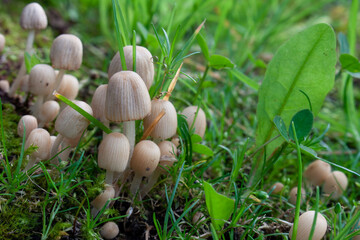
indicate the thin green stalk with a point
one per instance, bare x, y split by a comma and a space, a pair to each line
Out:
134, 50
119, 37
316, 212
298, 197
348, 226
199, 88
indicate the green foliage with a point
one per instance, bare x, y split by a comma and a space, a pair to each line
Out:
349, 63
303, 122
220, 62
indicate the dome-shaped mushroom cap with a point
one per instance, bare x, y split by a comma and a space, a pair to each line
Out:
317, 171
98, 102
109, 230
70, 123
200, 122
293, 195
144, 64
4, 85
66, 52
278, 186
33, 17
2, 42
41, 138
167, 125
48, 111
145, 158
41, 79
168, 153
305, 223
335, 183
69, 87
30, 124
103, 197
127, 98
114, 151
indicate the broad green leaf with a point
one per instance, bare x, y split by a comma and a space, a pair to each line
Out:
203, 45
220, 62
349, 63
220, 207
303, 122
280, 125
202, 149
306, 62
195, 138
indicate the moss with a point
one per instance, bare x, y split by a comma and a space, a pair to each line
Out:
10, 120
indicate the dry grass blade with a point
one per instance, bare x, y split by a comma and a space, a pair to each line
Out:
153, 124
173, 84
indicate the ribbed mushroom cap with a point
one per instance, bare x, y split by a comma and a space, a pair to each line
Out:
33, 17
66, 52
48, 111
4, 85
41, 138
109, 230
98, 103
127, 98
69, 87
335, 183
144, 64
114, 151
103, 197
24, 84
41, 79
70, 123
30, 124
317, 171
293, 195
305, 223
200, 122
278, 187
2, 42
167, 125
52, 141
145, 158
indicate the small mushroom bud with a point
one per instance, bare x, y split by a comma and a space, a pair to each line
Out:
69, 87
109, 230
30, 124
98, 104
317, 171
176, 141
305, 223
4, 86
200, 122
99, 202
2, 42
277, 188
113, 155
145, 159
41, 138
335, 184
293, 196
48, 112
167, 125
198, 218
144, 64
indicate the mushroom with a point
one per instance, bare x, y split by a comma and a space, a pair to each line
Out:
175, 140
48, 112
109, 230
68, 144
200, 122
98, 104
335, 184
168, 153
66, 54
4, 85
144, 64
30, 123
99, 202
113, 155
32, 18
316, 172
70, 124
293, 195
277, 188
2, 42
198, 218
166, 127
40, 138
305, 224
41, 83
69, 88
145, 159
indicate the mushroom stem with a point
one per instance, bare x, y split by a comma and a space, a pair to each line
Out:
94, 212
109, 177
58, 79
55, 147
135, 184
37, 106
129, 132
64, 155
152, 180
22, 71
30, 164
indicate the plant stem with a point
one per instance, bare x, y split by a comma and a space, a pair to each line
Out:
135, 184
201, 82
129, 132
57, 83
152, 180
109, 177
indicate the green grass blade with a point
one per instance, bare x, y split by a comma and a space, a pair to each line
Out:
348, 226
134, 50
119, 37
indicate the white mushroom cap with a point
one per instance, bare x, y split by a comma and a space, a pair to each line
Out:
317, 171
98, 103
2, 42
278, 187
109, 230
200, 122
48, 111
41, 138
41, 80
305, 223
69, 87
168, 153
30, 124
145, 158
33, 17
167, 125
100, 201
4, 85
293, 195
66, 52
335, 184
